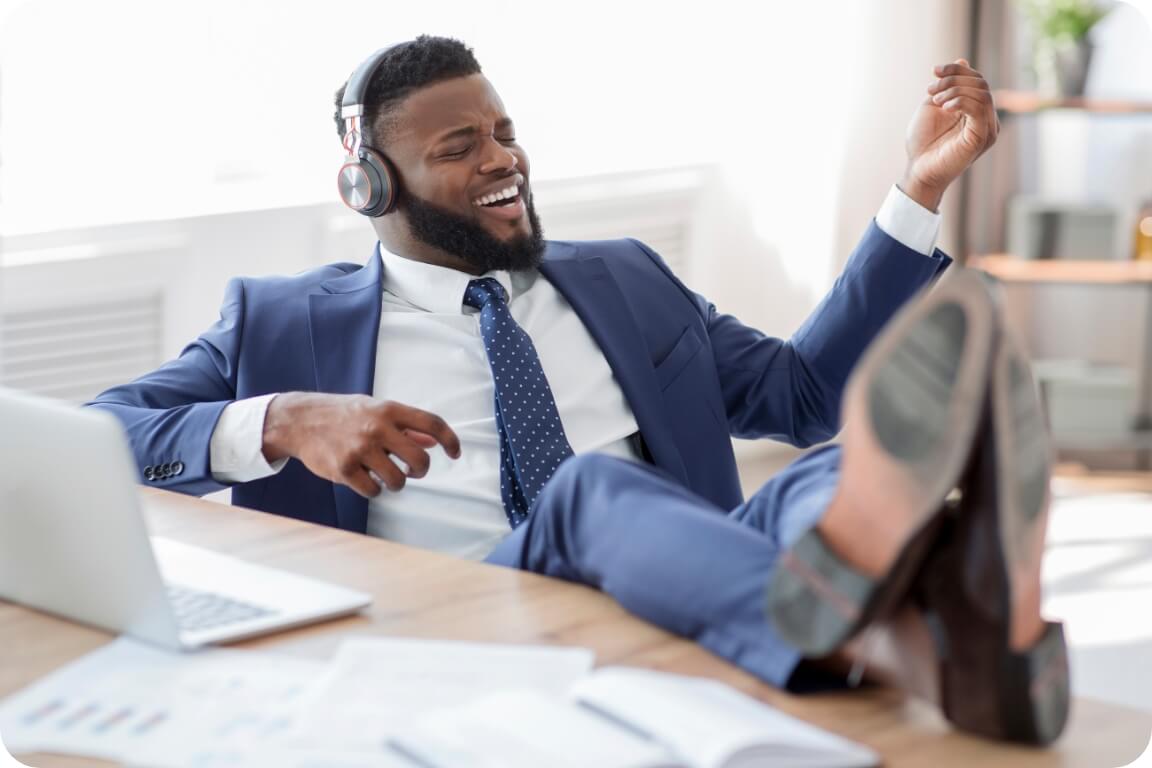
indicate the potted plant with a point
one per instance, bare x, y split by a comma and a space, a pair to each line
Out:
1061, 47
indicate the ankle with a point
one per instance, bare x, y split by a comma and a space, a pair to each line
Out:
858, 537
1028, 625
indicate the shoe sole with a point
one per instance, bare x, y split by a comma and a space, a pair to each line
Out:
935, 350
986, 687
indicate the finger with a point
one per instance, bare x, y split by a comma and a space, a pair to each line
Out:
380, 465
975, 108
958, 67
958, 80
976, 111
982, 97
421, 439
361, 481
415, 458
409, 418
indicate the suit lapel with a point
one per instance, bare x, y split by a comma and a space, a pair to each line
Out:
596, 297
344, 323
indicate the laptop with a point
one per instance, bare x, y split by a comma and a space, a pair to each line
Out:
74, 542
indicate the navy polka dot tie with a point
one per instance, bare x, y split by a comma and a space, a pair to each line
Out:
532, 439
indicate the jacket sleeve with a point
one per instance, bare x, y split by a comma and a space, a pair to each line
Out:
170, 413
790, 390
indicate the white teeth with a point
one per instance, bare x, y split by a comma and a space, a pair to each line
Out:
503, 194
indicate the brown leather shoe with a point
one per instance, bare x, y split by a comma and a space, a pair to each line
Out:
987, 565
911, 411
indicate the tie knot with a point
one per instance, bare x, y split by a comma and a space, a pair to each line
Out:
482, 291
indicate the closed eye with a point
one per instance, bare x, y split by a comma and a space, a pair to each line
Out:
458, 153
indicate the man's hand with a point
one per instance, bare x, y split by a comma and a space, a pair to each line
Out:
349, 439
955, 125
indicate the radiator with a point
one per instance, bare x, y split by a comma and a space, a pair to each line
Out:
74, 352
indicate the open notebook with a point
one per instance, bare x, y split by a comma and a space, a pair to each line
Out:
621, 717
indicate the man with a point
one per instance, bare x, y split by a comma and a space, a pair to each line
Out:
321, 396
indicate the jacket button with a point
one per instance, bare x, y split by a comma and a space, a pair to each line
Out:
165, 471
177, 468
149, 473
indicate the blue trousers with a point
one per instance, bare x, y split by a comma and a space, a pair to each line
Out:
672, 558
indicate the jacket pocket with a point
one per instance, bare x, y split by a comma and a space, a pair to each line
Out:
677, 359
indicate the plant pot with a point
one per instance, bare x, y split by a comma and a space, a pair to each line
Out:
1072, 65
1062, 67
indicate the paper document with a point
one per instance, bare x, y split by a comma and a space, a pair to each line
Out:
295, 757
712, 725
626, 718
529, 729
134, 703
376, 687
401, 703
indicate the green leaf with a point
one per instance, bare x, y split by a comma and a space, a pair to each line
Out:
1063, 21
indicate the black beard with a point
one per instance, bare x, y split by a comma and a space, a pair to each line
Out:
470, 242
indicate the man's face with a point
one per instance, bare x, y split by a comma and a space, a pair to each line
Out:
463, 178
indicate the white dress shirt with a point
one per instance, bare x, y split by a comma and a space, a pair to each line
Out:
430, 355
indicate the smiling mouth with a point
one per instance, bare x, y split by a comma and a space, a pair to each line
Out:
502, 203
507, 204
501, 198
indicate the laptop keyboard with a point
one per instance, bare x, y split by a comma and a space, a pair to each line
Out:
197, 610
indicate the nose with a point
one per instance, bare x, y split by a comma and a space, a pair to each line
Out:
498, 158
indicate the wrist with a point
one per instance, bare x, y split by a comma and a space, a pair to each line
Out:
279, 421
926, 196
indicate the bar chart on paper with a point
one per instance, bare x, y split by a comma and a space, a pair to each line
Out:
133, 703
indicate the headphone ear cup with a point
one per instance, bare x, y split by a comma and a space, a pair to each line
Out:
384, 180
367, 185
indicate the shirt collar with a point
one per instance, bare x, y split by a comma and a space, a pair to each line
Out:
430, 287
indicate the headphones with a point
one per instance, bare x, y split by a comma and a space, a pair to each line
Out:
366, 182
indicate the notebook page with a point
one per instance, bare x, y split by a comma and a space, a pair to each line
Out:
527, 729
712, 725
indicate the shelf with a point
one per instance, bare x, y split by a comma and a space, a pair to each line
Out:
1010, 269
1103, 441
1029, 103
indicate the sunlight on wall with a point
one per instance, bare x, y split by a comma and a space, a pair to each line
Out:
143, 110
1122, 59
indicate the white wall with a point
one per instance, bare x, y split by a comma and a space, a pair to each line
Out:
225, 105
797, 109
900, 43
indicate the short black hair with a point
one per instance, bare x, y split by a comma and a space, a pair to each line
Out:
407, 67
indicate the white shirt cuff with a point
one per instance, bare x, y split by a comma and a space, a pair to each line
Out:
908, 222
237, 444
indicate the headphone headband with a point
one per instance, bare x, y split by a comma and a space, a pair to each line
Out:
352, 105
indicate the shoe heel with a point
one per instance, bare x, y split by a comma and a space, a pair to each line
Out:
1031, 700
1036, 691
817, 602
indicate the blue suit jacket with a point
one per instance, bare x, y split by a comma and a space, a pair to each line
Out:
691, 375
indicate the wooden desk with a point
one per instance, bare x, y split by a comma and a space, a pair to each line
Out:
423, 594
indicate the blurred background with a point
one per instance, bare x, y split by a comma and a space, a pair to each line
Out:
151, 150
